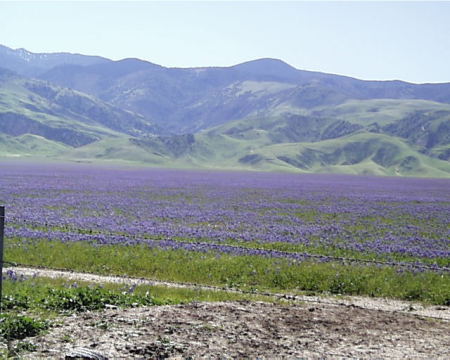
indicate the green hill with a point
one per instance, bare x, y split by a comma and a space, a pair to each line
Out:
58, 117
259, 115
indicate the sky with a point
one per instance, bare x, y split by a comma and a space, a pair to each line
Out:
379, 40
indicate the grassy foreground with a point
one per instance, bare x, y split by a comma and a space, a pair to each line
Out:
244, 272
30, 305
52, 296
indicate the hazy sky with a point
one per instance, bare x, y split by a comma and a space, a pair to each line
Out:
369, 40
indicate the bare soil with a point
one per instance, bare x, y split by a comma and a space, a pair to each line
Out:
312, 328
248, 330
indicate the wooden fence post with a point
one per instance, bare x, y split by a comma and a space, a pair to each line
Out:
2, 232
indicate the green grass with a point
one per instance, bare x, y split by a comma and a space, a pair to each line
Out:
244, 272
49, 297
41, 295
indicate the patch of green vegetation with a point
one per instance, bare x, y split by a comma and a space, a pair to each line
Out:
84, 298
13, 326
51, 296
337, 252
56, 296
244, 272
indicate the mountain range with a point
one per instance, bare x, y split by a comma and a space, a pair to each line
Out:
259, 115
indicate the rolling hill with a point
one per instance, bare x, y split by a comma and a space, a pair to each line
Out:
261, 115
37, 114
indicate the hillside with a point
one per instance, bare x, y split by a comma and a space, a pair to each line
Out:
40, 118
262, 114
189, 100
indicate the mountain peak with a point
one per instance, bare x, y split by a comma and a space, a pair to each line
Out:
269, 62
137, 63
123, 67
268, 67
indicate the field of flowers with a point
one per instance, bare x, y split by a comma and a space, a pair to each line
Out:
232, 228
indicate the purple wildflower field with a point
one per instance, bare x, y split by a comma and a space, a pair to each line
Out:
264, 214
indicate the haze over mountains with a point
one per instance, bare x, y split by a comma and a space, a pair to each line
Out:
262, 114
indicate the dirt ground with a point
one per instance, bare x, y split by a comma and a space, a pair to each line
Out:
308, 327
255, 330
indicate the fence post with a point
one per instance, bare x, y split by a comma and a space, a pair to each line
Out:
2, 232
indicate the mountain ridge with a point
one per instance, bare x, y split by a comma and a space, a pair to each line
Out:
180, 92
261, 114
19, 60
